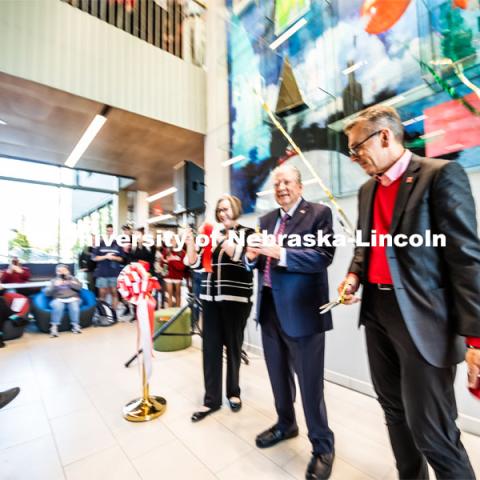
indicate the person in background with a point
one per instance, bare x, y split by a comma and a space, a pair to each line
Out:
226, 294
65, 291
174, 277
110, 261
15, 273
141, 252
161, 271
87, 265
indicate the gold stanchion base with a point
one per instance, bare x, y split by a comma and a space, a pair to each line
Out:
144, 409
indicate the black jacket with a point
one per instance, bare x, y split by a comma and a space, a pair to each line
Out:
230, 280
437, 289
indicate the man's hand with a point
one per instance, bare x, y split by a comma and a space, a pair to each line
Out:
252, 253
473, 364
270, 251
352, 283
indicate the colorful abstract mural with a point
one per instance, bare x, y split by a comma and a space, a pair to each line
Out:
340, 69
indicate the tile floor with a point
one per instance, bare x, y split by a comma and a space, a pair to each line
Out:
67, 422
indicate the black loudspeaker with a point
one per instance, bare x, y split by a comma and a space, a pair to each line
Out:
189, 179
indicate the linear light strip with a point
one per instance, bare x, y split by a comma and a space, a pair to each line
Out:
86, 139
163, 193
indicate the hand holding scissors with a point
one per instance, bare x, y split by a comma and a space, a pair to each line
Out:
346, 292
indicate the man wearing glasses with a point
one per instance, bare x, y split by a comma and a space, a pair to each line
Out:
417, 303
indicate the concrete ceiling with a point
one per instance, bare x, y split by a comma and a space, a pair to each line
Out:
44, 124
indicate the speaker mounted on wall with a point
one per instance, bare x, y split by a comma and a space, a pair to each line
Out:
189, 179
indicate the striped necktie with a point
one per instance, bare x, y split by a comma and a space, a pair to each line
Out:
267, 280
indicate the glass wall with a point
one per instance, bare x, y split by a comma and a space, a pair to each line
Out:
48, 212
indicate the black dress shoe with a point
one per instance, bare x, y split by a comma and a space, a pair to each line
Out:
8, 395
235, 406
201, 414
320, 466
272, 436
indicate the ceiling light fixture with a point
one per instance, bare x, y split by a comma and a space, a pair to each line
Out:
3, 122
288, 33
87, 137
163, 193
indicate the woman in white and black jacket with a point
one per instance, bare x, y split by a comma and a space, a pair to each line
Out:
226, 296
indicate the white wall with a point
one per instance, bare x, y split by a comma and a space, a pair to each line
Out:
52, 43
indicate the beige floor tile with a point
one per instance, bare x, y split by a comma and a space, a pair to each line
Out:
107, 464
61, 401
29, 391
136, 439
173, 462
341, 469
22, 424
248, 423
210, 441
80, 434
253, 465
37, 459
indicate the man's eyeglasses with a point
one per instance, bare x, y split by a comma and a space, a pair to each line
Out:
353, 151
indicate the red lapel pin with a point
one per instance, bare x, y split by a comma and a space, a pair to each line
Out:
409, 180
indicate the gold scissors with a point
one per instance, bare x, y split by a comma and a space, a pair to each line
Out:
339, 301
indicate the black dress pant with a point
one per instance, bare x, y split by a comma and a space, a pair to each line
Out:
417, 398
223, 325
285, 355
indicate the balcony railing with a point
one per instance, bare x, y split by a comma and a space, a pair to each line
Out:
157, 22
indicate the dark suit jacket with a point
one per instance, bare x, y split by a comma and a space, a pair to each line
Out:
302, 287
438, 289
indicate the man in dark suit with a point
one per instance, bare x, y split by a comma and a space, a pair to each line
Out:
292, 285
417, 302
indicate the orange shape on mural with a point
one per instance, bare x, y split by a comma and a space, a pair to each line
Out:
382, 14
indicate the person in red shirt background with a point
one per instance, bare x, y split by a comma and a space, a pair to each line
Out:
15, 273
173, 259
417, 302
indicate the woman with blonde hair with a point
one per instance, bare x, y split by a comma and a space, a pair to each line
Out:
226, 294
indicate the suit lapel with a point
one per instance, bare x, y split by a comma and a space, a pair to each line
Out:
407, 182
271, 220
297, 217
367, 201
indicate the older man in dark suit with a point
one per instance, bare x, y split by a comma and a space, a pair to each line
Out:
418, 301
292, 285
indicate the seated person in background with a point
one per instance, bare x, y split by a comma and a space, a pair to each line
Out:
65, 290
15, 273
6, 313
